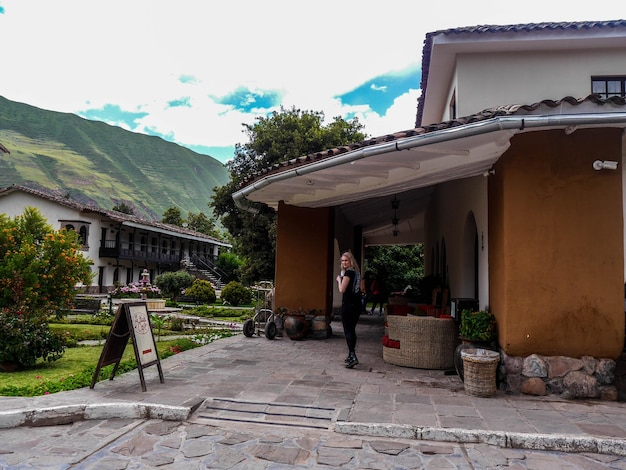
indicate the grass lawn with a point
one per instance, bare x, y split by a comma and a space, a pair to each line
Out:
75, 369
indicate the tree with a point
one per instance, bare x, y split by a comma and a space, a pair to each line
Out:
281, 136
39, 268
201, 223
172, 216
396, 266
229, 263
172, 283
124, 208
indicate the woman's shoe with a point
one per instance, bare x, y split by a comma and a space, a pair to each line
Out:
351, 361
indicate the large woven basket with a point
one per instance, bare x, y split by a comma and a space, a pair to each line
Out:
425, 342
479, 371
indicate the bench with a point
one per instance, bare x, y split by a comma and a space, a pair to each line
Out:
85, 305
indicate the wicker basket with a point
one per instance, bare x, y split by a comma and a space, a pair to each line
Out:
479, 370
425, 342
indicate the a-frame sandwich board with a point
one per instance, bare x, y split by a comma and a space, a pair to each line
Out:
131, 321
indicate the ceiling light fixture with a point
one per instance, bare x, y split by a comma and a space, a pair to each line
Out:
395, 204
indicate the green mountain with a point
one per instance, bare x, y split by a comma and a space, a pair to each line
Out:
95, 163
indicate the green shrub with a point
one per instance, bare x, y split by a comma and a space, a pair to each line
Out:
478, 326
236, 294
172, 283
39, 267
176, 324
202, 291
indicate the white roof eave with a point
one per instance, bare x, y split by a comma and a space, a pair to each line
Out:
407, 163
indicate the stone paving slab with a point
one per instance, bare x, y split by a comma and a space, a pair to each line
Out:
374, 399
117, 444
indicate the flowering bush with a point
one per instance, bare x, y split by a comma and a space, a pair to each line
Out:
39, 268
203, 339
134, 290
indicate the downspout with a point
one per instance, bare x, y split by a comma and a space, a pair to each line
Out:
519, 123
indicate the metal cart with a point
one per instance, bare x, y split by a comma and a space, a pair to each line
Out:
264, 318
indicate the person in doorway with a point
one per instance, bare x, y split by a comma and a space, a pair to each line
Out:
366, 291
349, 284
378, 297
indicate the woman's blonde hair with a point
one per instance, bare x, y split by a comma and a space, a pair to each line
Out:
353, 264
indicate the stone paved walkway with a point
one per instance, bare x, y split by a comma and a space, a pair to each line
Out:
254, 393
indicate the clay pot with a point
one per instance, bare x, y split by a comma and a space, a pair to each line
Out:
295, 326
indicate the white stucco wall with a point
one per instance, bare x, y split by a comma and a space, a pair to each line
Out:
487, 80
453, 201
14, 203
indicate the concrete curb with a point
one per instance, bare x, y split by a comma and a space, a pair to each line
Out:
513, 440
65, 414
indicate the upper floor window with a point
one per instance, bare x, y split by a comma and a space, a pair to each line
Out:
609, 86
453, 106
83, 233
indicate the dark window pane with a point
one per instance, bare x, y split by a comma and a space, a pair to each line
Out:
598, 87
614, 87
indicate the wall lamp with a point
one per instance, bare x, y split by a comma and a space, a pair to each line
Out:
605, 165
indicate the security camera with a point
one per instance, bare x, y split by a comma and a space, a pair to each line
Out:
604, 165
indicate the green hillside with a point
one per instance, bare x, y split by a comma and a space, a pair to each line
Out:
93, 162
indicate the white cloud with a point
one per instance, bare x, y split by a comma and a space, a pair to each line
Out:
73, 55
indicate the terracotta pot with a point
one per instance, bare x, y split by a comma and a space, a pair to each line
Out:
295, 326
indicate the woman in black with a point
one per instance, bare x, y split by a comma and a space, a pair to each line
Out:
349, 283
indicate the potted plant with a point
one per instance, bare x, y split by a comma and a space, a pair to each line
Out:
478, 326
477, 330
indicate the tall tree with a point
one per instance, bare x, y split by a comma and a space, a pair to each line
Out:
173, 216
281, 136
201, 223
396, 266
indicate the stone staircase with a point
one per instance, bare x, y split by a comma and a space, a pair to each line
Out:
201, 273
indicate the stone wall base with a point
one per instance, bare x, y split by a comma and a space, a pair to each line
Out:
562, 376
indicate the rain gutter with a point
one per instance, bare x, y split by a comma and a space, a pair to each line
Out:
519, 123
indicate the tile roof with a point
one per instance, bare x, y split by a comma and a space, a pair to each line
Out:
490, 113
113, 215
494, 29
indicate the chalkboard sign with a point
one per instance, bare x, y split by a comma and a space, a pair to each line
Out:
131, 322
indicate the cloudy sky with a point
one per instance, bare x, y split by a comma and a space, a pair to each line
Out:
193, 71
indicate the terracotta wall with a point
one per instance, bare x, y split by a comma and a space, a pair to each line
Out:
303, 258
556, 252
